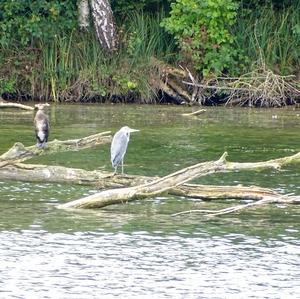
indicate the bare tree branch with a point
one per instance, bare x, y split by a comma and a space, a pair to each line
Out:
276, 198
20, 153
164, 184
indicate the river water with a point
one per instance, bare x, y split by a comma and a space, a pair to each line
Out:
139, 250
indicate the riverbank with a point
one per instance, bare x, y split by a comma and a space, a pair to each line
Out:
150, 68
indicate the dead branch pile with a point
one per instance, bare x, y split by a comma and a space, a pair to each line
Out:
261, 87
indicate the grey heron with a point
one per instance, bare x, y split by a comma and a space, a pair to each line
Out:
119, 146
41, 123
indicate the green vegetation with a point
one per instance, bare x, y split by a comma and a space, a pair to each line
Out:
271, 35
43, 54
73, 66
23, 22
202, 31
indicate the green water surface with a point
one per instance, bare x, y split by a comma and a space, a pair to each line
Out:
139, 245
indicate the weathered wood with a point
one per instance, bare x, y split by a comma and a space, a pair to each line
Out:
274, 163
19, 153
53, 174
103, 180
151, 189
209, 192
4, 104
180, 91
275, 198
194, 113
142, 186
164, 184
170, 81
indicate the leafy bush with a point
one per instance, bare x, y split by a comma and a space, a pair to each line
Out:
22, 21
202, 31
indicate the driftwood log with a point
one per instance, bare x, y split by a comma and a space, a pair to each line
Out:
164, 184
19, 153
195, 113
104, 180
141, 187
4, 104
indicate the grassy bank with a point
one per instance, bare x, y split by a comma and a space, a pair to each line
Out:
72, 67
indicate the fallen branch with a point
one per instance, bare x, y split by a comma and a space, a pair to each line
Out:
205, 86
179, 91
19, 153
274, 163
194, 113
276, 198
170, 81
208, 192
53, 174
174, 184
4, 104
102, 180
165, 184
158, 186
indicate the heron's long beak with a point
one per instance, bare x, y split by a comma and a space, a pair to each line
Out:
133, 130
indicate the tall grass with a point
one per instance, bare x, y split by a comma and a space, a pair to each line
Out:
73, 67
142, 40
145, 38
272, 37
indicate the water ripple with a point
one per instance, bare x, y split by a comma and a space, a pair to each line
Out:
38, 264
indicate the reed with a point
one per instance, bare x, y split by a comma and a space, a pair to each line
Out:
74, 68
271, 37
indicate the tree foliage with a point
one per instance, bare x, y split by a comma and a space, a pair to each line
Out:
201, 29
22, 21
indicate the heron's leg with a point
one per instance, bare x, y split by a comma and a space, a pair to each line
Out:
122, 167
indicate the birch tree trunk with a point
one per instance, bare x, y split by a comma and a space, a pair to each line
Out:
104, 24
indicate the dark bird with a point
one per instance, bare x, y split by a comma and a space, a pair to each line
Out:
119, 146
41, 123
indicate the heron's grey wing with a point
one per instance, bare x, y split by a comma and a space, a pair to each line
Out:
118, 148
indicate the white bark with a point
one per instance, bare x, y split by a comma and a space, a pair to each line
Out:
84, 12
104, 24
